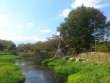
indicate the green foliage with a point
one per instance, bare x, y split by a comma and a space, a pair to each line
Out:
79, 72
40, 50
81, 28
9, 72
103, 47
7, 46
74, 78
60, 66
7, 58
96, 74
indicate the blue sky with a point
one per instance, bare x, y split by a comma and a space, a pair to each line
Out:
28, 21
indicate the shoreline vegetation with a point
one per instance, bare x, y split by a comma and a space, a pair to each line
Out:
80, 71
9, 71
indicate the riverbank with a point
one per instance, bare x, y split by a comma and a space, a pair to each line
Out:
79, 71
9, 71
35, 73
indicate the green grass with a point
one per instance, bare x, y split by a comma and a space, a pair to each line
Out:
91, 74
9, 72
81, 71
7, 58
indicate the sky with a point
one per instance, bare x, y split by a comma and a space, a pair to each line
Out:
29, 21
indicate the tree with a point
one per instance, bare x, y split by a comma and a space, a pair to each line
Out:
82, 28
49, 46
107, 31
7, 45
25, 49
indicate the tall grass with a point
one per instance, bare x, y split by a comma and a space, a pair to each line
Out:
7, 58
91, 74
81, 71
9, 72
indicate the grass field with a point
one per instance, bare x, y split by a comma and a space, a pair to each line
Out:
7, 59
9, 71
82, 71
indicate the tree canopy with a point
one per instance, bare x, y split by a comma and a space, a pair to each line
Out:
82, 28
7, 46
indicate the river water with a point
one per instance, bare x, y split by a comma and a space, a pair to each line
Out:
34, 74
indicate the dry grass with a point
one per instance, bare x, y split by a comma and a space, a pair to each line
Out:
97, 57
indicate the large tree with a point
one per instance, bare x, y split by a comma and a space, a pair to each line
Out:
82, 28
6, 45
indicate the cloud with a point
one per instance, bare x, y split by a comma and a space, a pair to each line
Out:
3, 21
45, 30
21, 38
17, 31
88, 3
65, 12
29, 24
24, 25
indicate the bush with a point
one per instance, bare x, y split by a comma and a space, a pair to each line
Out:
60, 66
103, 47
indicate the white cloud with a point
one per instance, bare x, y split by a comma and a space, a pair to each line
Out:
24, 25
65, 12
87, 3
3, 21
19, 26
29, 24
45, 30
21, 38
16, 31
57, 33
26, 38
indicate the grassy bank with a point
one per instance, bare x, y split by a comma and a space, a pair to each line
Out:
9, 71
79, 71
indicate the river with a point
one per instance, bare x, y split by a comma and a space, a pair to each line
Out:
35, 74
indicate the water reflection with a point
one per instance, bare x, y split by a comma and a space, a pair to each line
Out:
35, 74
